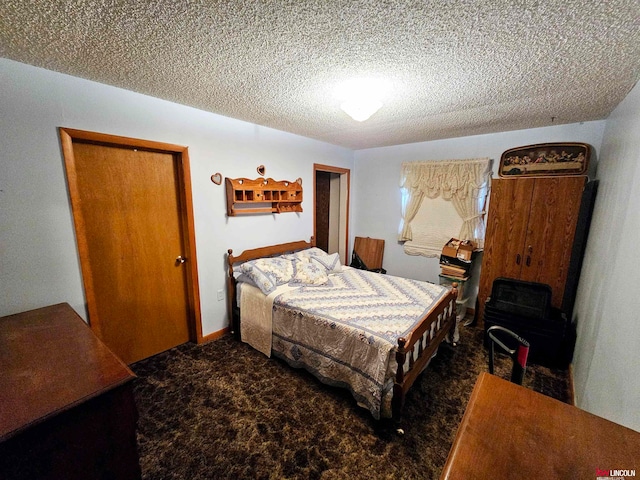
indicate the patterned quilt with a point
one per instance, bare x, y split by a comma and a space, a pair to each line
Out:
345, 333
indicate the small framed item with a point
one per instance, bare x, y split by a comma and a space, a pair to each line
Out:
545, 159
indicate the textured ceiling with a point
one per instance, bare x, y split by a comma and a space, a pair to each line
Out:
456, 67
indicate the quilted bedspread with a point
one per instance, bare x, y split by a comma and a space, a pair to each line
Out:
345, 333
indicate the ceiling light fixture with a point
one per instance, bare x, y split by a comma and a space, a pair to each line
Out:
360, 109
362, 97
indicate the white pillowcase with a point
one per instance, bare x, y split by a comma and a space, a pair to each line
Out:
268, 273
306, 267
330, 262
307, 253
309, 274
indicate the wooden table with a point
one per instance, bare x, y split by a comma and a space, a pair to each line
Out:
509, 431
66, 401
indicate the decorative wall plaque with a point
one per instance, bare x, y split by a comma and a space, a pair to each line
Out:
545, 159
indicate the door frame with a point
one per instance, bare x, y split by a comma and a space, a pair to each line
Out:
181, 155
345, 186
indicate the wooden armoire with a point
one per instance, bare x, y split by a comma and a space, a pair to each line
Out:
536, 232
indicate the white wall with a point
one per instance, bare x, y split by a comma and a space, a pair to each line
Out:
376, 192
606, 359
38, 256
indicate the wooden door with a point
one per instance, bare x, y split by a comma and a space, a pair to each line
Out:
324, 227
506, 233
130, 224
555, 205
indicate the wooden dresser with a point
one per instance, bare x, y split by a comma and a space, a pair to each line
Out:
66, 401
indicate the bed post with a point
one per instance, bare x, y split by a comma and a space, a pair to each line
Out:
397, 403
232, 306
454, 324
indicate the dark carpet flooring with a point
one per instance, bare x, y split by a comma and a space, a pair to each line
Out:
223, 410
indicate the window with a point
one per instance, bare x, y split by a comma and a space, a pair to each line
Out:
440, 200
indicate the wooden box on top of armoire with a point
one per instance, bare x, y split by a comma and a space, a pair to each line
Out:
536, 231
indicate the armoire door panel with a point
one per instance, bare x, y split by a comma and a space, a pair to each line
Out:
552, 221
533, 220
506, 233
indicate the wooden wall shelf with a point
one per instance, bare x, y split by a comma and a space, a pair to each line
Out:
263, 195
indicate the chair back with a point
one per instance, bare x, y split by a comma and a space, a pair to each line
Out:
370, 251
518, 354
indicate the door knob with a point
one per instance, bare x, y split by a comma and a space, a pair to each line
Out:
180, 260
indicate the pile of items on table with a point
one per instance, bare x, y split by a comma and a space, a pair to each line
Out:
455, 260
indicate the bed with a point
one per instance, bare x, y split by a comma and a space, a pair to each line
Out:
370, 333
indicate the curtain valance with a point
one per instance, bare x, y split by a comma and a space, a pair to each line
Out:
464, 182
447, 178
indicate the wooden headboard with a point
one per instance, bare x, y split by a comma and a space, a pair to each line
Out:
252, 254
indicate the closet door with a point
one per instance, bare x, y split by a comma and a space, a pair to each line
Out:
555, 205
134, 225
506, 233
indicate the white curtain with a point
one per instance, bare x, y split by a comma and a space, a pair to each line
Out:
462, 182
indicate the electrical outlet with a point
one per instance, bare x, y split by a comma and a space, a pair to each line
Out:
220, 295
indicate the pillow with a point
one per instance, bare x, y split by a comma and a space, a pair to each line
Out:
310, 253
244, 278
309, 274
330, 262
294, 257
265, 282
315, 251
267, 273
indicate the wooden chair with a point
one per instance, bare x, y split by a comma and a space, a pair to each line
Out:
518, 354
368, 253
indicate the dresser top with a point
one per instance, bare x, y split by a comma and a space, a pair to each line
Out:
50, 361
509, 431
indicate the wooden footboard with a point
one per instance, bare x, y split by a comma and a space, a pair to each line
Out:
416, 349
